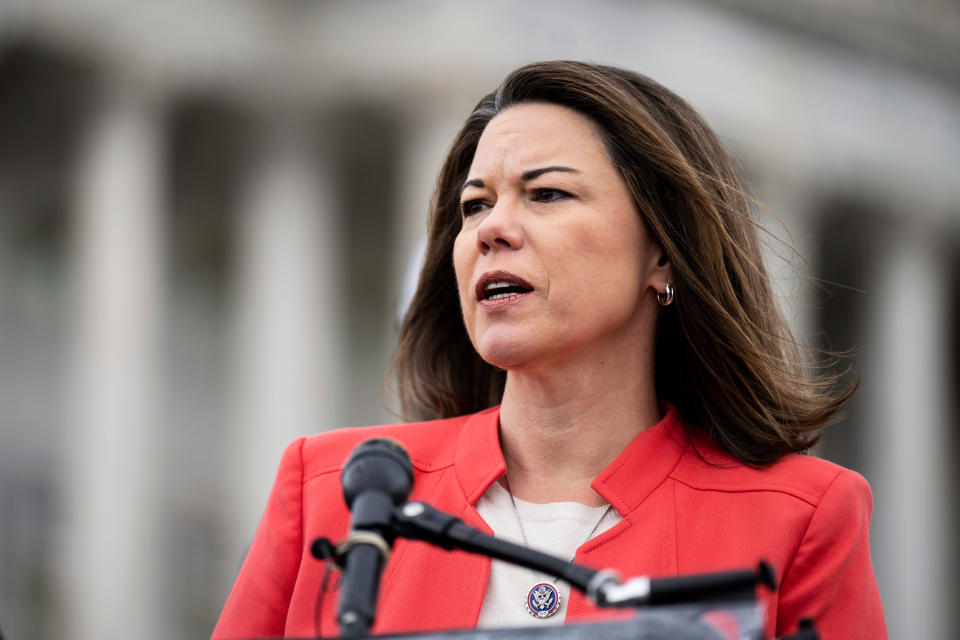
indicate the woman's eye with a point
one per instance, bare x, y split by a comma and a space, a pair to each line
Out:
549, 195
471, 207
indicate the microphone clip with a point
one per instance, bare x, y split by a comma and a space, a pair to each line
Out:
323, 549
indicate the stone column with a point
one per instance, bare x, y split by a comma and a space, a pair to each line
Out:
425, 141
907, 435
285, 382
111, 579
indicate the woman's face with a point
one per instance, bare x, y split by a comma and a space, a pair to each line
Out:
552, 260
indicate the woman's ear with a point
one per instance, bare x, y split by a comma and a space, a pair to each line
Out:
661, 270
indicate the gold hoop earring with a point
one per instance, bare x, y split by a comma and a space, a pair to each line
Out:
666, 299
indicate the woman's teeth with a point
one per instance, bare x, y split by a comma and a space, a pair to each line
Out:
497, 290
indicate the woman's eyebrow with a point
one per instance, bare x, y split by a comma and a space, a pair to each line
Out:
535, 173
472, 183
525, 177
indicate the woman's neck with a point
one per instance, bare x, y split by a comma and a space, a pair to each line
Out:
558, 432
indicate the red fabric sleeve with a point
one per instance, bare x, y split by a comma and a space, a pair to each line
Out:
831, 577
258, 603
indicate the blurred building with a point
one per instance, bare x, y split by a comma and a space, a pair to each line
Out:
207, 210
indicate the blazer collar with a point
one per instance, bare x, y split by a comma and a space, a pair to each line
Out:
479, 461
639, 469
643, 466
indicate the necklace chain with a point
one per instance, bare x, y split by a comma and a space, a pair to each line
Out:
543, 599
523, 533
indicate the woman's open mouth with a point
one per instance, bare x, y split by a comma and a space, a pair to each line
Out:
501, 286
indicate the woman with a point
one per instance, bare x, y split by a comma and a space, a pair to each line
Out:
596, 345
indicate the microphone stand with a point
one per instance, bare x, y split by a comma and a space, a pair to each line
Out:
420, 521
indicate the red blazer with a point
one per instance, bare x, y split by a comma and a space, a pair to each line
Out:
686, 507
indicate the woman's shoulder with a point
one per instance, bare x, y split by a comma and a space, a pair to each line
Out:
803, 477
431, 445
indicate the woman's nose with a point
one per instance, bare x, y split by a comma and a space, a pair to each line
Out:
500, 229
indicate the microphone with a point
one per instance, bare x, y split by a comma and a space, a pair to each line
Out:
377, 477
644, 591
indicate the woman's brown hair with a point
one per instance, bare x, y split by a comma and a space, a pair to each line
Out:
725, 357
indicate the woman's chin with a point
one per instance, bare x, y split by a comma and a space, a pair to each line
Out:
506, 354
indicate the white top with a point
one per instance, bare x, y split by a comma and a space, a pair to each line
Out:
557, 528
